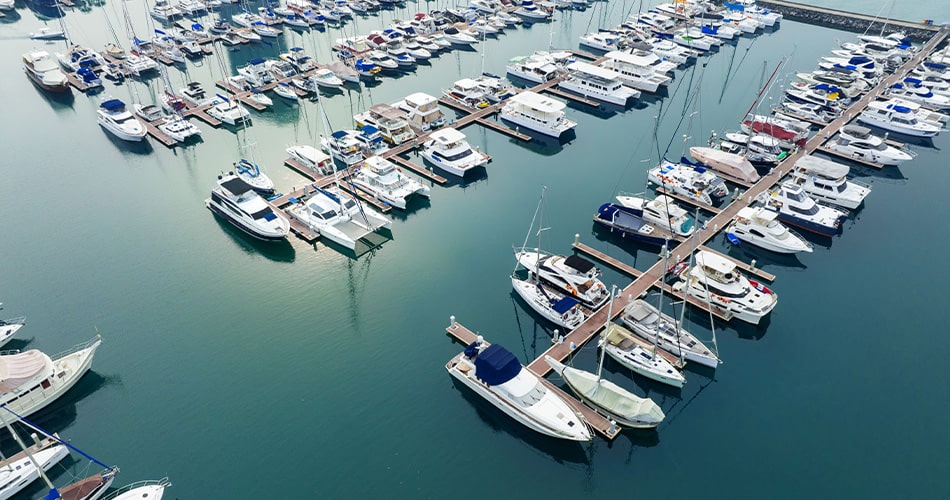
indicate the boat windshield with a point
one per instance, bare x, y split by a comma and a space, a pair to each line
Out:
455, 157
262, 213
812, 210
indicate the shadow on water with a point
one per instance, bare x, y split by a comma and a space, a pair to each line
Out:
562, 451
58, 100
143, 147
277, 251
542, 144
366, 245
415, 205
747, 253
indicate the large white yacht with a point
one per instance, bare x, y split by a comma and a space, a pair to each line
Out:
718, 280
797, 209
32, 380
661, 211
902, 117
859, 143
556, 307
495, 374
828, 181
536, 68
389, 120
638, 355
570, 274
692, 182
759, 226
448, 150
228, 110
44, 72
239, 203
657, 327
597, 82
468, 93
422, 111
335, 215
119, 121
636, 70
536, 112
382, 179
312, 158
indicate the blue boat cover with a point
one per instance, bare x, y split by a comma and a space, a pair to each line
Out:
898, 86
496, 365
339, 134
733, 239
826, 87
935, 65
913, 81
564, 305
710, 30
296, 49
256, 61
160, 32
859, 60
269, 216
734, 6
112, 105
899, 109
197, 27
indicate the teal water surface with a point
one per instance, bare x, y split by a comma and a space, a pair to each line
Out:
249, 370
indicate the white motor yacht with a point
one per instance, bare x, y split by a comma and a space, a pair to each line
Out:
337, 216
797, 209
534, 68
657, 327
447, 149
32, 380
817, 113
495, 374
599, 83
150, 490
251, 173
859, 143
456, 37
324, 77
240, 204
639, 356
828, 181
602, 41
422, 111
20, 470
390, 121
759, 226
385, 181
729, 164
531, 12
637, 70
77, 57
920, 94
695, 183
496, 88
285, 90
718, 280
661, 211
467, 93
572, 275
343, 147
44, 72
312, 159
118, 121
537, 112
194, 95
178, 128
165, 12
228, 111
8, 327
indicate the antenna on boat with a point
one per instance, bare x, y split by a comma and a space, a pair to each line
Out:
537, 212
659, 306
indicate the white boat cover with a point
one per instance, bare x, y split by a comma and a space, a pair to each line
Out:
822, 167
714, 262
729, 163
17, 369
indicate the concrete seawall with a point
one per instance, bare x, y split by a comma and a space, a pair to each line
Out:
848, 21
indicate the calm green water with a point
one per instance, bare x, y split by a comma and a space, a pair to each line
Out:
250, 370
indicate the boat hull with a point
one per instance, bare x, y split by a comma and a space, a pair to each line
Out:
242, 225
74, 365
640, 366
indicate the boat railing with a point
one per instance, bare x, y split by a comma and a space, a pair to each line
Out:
13, 321
798, 235
79, 347
10, 352
859, 182
138, 484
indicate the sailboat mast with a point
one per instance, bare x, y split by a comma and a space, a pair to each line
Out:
678, 324
326, 133
762, 90
659, 306
610, 315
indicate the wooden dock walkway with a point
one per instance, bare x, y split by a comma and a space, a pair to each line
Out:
649, 278
419, 169
573, 97
606, 259
201, 114
598, 422
158, 135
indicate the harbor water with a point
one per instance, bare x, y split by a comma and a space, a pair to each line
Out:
243, 369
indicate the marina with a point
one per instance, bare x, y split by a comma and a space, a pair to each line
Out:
244, 312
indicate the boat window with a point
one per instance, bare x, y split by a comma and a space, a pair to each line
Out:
261, 213
812, 210
455, 157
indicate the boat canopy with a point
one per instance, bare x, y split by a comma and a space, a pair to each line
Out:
719, 264
236, 186
448, 135
564, 305
857, 131
339, 134
113, 105
17, 369
537, 102
496, 365
822, 167
643, 60
578, 263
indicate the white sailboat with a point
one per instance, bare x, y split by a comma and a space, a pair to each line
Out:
606, 397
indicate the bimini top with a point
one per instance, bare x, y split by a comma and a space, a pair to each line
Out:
236, 186
822, 167
719, 264
420, 99
447, 136
465, 84
537, 102
759, 213
580, 264
857, 131
496, 365
113, 105
17, 369
564, 305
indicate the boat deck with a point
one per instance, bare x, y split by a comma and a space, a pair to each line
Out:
158, 135
850, 158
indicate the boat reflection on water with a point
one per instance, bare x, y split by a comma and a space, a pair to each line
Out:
277, 251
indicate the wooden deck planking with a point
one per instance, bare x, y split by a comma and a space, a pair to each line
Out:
606, 259
497, 127
157, 134
201, 114
573, 97
598, 422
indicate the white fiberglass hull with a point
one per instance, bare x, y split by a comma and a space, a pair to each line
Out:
8, 328
72, 366
553, 131
643, 362
483, 390
619, 97
17, 475
131, 135
528, 291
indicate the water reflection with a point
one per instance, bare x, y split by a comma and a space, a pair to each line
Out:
277, 251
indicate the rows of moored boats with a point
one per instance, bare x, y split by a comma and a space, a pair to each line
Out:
33, 380
815, 197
